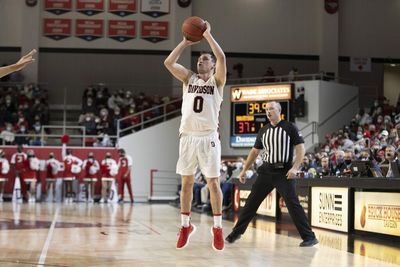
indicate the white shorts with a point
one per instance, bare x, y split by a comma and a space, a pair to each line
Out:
203, 151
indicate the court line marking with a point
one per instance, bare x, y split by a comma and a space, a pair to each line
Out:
46, 245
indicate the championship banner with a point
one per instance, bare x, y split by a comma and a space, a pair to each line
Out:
154, 8
90, 7
57, 29
58, 7
377, 212
122, 8
89, 29
154, 31
329, 208
121, 30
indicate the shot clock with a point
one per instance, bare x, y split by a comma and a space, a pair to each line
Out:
248, 105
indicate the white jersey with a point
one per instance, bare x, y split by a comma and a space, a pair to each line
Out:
200, 106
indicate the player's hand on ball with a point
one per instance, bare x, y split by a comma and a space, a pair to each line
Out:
188, 42
207, 32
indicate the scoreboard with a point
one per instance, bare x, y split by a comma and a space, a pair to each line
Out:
248, 106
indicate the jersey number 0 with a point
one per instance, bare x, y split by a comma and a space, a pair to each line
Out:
198, 104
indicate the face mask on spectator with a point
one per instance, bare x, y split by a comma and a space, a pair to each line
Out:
327, 149
97, 120
116, 112
9, 128
22, 129
376, 103
88, 118
37, 128
347, 161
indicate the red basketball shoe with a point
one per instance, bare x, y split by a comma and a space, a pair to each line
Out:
218, 242
184, 236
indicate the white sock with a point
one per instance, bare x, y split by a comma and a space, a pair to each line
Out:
185, 220
217, 220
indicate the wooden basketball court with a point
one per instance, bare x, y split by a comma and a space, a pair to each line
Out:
145, 235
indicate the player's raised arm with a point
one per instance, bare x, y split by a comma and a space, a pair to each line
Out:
22, 62
220, 68
176, 69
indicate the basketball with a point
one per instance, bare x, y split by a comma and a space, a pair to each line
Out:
193, 28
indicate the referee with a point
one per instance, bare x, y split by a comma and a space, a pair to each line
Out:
277, 138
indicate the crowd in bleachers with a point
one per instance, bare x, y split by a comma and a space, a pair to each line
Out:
101, 110
371, 136
372, 139
23, 110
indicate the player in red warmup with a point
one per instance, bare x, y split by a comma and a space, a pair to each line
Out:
17, 161
124, 169
91, 169
199, 138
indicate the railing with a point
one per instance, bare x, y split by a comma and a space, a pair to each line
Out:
41, 139
314, 128
163, 109
163, 185
290, 78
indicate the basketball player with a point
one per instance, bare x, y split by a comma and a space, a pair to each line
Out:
4, 169
199, 139
124, 169
17, 161
91, 169
52, 168
22, 62
72, 167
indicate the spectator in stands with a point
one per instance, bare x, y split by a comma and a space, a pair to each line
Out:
391, 165
345, 170
4, 169
292, 76
89, 106
307, 169
324, 169
7, 135
91, 168
90, 124
101, 100
339, 162
23, 139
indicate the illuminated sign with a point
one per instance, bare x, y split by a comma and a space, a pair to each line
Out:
248, 109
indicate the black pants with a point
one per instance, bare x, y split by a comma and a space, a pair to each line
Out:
264, 184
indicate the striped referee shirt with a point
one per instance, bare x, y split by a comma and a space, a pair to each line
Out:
278, 142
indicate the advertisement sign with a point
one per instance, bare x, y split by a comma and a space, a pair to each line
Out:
329, 208
121, 30
267, 207
243, 141
122, 8
57, 29
154, 31
155, 8
267, 92
90, 7
58, 7
377, 212
89, 29
303, 194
